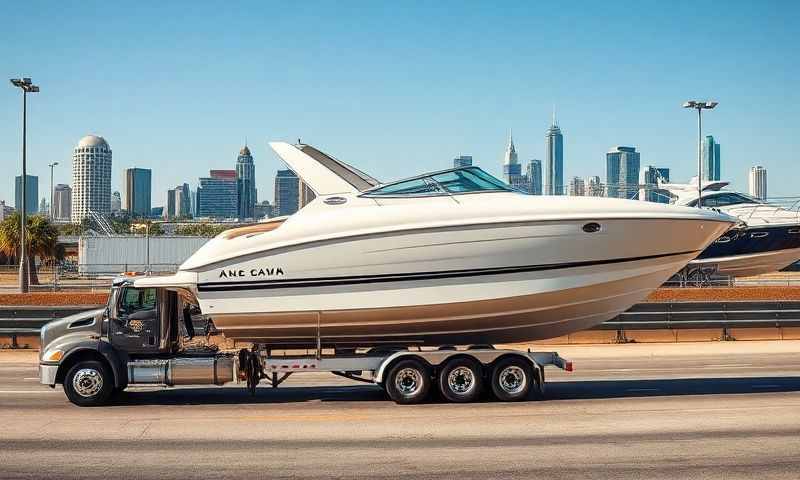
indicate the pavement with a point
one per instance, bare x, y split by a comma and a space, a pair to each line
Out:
703, 411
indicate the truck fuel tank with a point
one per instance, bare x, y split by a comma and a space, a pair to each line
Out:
215, 370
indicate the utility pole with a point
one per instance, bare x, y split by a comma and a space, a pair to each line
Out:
700, 106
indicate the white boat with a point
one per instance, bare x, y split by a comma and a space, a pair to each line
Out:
450, 257
766, 240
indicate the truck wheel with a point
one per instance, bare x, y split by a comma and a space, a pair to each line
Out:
512, 379
408, 382
89, 384
461, 380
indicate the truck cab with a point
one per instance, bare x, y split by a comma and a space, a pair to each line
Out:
136, 338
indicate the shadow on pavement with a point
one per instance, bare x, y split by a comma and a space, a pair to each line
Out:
561, 390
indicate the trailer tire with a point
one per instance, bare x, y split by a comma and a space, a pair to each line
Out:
461, 380
408, 381
512, 379
89, 383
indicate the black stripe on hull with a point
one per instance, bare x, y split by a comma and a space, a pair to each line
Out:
400, 277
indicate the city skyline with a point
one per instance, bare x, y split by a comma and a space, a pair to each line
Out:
187, 121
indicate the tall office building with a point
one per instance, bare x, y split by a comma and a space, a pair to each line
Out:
512, 170
622, 172
217, 196
246, 183
91, 178
462, 161
757, 182
116, 202
136, 192
577, 187
44, 207
62, 202
533, 174
554, 160
287, 192
649, 190
178, 202
31, 194
711, 160
5, 210
594, 188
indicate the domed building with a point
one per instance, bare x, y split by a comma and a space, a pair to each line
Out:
91, 178
245, 184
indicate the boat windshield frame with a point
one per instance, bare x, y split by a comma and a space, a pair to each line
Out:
439, 189
748, 200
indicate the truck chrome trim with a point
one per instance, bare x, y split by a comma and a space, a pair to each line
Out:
47, 374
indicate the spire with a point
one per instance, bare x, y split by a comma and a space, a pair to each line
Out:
510, 147
555, 124
511, 151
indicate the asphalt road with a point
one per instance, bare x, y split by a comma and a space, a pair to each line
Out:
731, 413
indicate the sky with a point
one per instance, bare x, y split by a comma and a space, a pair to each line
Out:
399, 88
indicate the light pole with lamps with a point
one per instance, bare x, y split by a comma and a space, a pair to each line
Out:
51, 165
700, 105
27, 87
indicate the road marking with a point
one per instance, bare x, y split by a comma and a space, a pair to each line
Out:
23, 392
31, 378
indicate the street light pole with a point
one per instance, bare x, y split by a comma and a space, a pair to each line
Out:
51, 165
700, 106
27, 87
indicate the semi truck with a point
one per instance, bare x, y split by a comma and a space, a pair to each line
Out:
147, 336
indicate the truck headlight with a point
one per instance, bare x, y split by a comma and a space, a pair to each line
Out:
54, 355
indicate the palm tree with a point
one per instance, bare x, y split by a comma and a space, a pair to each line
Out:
42, 241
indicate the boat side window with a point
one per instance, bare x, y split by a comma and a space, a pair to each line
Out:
724, 200
418, 186
468, 180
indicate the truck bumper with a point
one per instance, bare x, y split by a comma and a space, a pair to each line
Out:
47, 374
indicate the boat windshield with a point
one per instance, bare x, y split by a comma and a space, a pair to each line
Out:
725, 199
447, 182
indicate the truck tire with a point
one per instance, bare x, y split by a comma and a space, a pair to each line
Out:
89, 383
408, 381
461, 380
512, 379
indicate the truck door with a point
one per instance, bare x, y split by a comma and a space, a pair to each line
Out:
135, 325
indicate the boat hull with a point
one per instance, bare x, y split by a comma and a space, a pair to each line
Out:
752, 251
487, 283
528, 317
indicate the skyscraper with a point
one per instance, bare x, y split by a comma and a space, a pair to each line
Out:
757, 182
649, 190
462, 161
593, 186
533, 172
711, 160
622, 172
217, 196
31, 193
287, 192
116, 202
178, 202
91, 178
512, 170
62, 202
577, 188
245, 183
554, 160
137, 191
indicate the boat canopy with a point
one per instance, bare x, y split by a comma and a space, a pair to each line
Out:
446, 182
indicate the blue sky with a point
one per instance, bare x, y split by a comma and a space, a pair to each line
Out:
397, 88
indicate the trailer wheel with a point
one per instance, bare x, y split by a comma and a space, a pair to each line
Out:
408, 381
89, 383
512, 379
461, 380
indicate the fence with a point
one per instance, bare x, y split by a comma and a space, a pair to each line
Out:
72, 276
